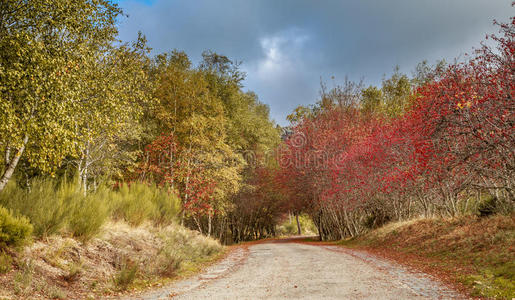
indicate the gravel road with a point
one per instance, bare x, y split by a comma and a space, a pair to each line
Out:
285, 269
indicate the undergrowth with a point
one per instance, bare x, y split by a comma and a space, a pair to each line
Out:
62, 219
478, 252
59, 207
14, 230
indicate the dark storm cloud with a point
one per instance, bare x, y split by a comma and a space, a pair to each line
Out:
287, 45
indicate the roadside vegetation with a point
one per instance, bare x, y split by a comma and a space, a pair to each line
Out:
120, 258
87, 115
427, 160
58, 208
58, 242
472, 251
438, 144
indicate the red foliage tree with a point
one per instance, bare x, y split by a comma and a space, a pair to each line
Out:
458, 136
167, 164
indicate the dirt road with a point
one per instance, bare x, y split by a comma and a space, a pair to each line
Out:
290, 270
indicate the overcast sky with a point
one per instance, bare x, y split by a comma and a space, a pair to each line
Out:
287, 45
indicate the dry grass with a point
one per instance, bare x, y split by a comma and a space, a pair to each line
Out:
477, 252
120, 258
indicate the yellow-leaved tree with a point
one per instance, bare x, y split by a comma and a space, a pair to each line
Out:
46, 48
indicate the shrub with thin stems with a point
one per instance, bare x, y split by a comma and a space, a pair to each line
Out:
88, 214
46, 209
133, 203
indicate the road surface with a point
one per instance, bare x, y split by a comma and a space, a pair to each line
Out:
284, 269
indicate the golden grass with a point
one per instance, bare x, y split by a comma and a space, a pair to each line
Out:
121, 258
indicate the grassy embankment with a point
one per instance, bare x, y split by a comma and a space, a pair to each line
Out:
57, 243
477, 255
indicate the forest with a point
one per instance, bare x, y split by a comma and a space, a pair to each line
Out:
95, 131
437, 144
80, 109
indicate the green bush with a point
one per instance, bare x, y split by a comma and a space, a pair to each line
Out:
14, 231
189, 244
167, 206
181, 248
53, 207
168, 261
133, 203
126, 275
46, 209
139, 202
88, 214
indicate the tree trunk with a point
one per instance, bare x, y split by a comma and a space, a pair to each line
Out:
209, 225
7, 156
12, 164
299, 232
319, 225
85, 179
222, 228
198, 224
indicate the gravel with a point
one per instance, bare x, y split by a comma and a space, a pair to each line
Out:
287, 270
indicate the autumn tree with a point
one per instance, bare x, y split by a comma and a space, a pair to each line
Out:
436, 144
115, 91
214, 126
45, 46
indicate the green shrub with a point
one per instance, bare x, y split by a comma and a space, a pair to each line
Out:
134, 203
167, 206
46, 209
88, 214
168, 261
126, 275
14, 231
53, 206
188, 244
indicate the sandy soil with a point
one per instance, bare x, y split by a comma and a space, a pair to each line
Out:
285, 269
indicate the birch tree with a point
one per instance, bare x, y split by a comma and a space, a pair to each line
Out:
44, 48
